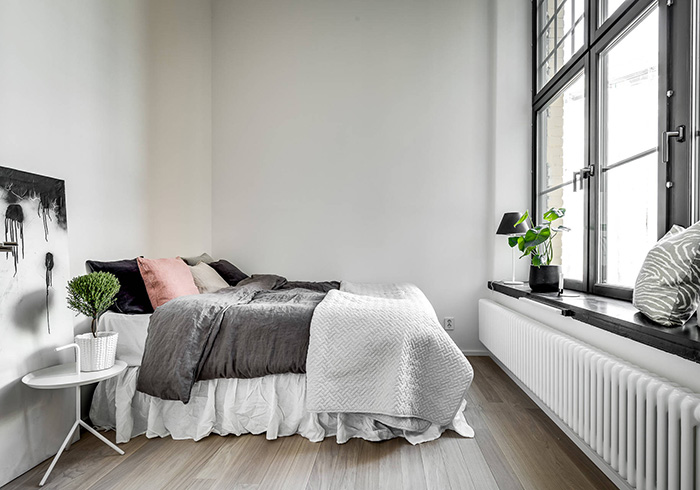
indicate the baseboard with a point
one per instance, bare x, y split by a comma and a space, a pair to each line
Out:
590, 453
475, 352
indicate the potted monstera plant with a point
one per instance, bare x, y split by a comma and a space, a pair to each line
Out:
537, 243
92, 295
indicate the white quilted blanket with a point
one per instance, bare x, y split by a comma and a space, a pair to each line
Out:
379, 349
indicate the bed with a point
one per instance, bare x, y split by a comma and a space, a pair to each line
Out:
376, 365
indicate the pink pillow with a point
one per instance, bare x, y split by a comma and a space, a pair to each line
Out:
166, 279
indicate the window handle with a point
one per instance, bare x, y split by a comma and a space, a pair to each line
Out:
584, 173
679, 134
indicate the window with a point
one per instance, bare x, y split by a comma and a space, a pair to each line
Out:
561, 34
613, 103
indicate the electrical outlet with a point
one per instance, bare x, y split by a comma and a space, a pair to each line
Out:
449, 323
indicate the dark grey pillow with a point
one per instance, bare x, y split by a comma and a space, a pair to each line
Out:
132, 297
231, 274
667, 289
205, 257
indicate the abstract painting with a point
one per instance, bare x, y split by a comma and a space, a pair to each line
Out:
34, 318
34, 211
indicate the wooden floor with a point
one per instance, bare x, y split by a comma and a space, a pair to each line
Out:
516, 446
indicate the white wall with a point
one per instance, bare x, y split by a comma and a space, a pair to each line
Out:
351, 141
114, 98
512, 132
179, 127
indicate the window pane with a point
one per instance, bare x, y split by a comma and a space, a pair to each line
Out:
561, 139
568, 246
560, 34
630, 71
561, 129
629, 156
628, 229
607, 8
578, 34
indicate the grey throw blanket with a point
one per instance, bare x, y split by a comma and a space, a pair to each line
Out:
257, 328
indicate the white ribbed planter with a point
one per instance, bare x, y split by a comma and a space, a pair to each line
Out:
97, 353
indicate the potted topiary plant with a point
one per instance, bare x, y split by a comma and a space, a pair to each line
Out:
537, 243
92, 295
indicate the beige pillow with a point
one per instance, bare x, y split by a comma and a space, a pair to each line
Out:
207, 279
205, 257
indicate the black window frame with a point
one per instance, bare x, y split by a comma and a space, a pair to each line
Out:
676, 204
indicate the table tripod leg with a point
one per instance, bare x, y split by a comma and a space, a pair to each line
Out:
58, 454
101, 437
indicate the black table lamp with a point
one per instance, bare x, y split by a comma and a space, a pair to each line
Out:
508, 227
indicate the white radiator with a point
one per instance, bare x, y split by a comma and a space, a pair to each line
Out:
643, 426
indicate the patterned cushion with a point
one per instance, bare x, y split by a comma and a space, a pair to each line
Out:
668, 286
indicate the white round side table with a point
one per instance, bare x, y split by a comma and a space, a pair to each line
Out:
69, 376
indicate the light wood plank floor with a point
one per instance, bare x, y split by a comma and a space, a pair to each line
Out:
516, 446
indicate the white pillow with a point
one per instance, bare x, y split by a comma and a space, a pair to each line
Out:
207, 279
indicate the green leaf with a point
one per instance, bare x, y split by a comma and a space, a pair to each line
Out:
536, 260
554, 214
530, 235
513, 241
535, 236
522, 218
561, 228
529, 251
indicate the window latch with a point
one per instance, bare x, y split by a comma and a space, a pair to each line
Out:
679, 134
584, 173
588, 171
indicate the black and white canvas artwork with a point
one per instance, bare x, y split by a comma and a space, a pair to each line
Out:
33, 208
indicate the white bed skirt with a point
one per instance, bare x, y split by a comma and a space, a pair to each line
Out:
274, 405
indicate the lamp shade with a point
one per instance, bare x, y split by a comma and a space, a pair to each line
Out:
507, 226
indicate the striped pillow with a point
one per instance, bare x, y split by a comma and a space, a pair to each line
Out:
668, 286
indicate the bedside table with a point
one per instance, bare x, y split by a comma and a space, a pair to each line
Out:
69, 376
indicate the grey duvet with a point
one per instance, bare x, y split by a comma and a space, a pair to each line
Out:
257, 328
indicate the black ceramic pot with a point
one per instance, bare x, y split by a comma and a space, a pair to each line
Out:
544, 279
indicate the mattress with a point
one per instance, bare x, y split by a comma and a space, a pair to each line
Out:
132, 330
